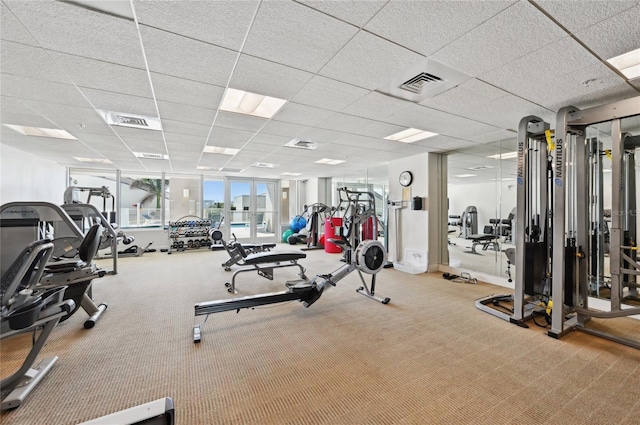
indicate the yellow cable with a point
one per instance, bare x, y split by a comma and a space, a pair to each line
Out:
550, 144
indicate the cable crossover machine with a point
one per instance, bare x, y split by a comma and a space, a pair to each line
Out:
364, 256
562, 230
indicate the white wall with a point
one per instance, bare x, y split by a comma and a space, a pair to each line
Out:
26, 177
412, 233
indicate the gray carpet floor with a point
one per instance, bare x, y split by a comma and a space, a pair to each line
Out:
428, 357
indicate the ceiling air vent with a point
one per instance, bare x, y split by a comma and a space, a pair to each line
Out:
146, 155
302, 144
230, 170
424, 80
121, 119
420, 82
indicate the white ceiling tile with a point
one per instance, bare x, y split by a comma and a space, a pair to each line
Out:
268, 139
157, 165
129, 133
444, 144
14, 105
284, 129
74, 119
614, 36
145, 146
239, 121
356, 12
29, 61
179, 127
186, 141
319, 135
103, 142
12, 30
301, 114
63, 27
296, 36
118, 102
346, 123
183, 57
228, 137
41, 90
186, 92
493, 43
326, 93
28, 120
427, 27
576, 16
369, 61
267, 78
376, 106
185, 113
230, 19
96, 74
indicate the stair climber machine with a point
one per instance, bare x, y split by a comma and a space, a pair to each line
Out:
364, 256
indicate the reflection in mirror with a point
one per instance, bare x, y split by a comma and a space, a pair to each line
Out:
482, 201
601, 187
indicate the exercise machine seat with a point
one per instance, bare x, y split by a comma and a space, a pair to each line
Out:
273, 257
86, 252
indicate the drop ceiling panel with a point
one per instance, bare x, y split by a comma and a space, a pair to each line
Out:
96, 74
296, 36
179, 127
228, 137
239, 121
186, 92
267, 78
271, 140
29, 61
156, 165
66, 28
301, 114
230, 19
319, 135
427, 27
578, 18
498, 135
493, 44
186, 58
128, 133
187, 142
445, 144
213, 160
614, 36
72, 118
101, 141
29, 120
12, 30
376, 106
118, 102
328, 94
506, 112
355, 12
279, 128
368, 61
185, 113
146, 146
45, 91
346, 123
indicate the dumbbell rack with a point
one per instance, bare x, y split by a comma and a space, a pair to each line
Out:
188, 233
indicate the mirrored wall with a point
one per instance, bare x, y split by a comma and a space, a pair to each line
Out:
482, 200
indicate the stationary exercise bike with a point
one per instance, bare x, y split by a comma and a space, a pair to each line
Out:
367, 257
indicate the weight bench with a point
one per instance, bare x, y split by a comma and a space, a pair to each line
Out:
238, 251
484, 240
265, 262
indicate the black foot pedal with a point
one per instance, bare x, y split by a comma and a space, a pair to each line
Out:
196, 334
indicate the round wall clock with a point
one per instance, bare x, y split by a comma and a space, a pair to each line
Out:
406, 178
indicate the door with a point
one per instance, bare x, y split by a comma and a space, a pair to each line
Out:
253, 209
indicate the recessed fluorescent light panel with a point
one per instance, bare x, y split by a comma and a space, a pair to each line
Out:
202, 167
257, 105
265, 165
220, 150
286, 173
93, 160
329, 161
628, 63
410, 135
465, 175
53, 133
506, 155
146, 155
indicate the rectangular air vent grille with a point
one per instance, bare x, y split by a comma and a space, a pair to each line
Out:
301, 144
420, 82
132, 121
147, 155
